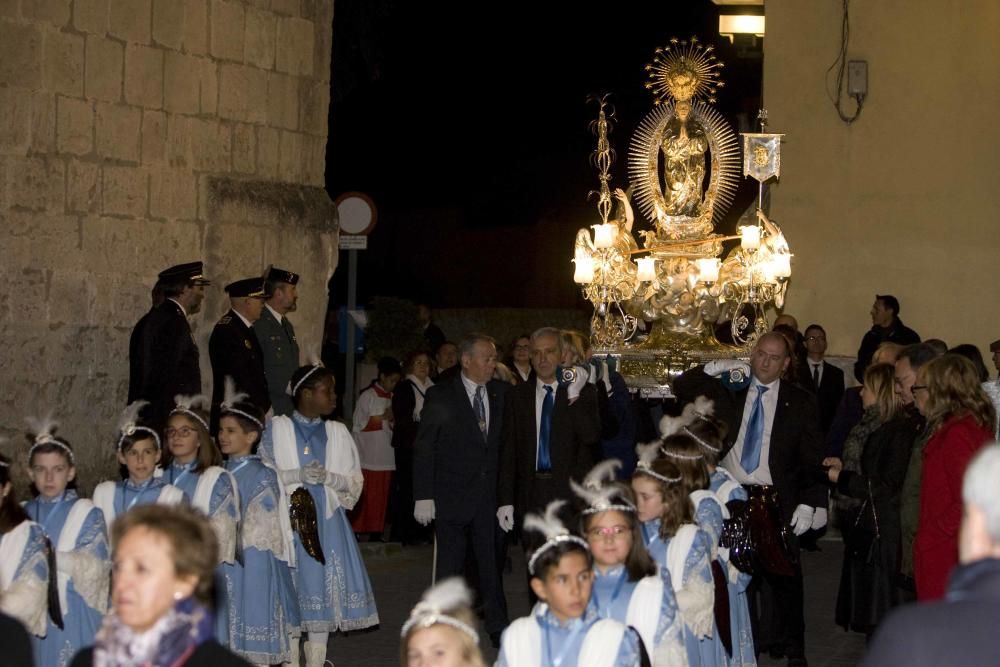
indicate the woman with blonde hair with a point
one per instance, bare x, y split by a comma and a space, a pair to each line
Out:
869, 480
960, 419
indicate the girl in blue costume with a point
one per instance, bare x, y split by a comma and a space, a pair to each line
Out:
24, 565
75, 529
263, 609
628, 586
138, 450
677, 544
320, 456
192, 463
564, 626
710, 433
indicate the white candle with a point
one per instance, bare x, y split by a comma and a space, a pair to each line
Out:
782, 265
604, 235
584, 272
708, 269
647, 269
750, 237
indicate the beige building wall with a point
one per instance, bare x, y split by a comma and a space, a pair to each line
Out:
907, 199
138, 134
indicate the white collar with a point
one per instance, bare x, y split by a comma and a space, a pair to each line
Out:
771, 386
470, 386
183, 310
278, 316
541, 385
245, 320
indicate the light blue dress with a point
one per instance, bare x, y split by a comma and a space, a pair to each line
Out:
128, 494
184, 477
612, 593
708, 516
697, 567
32, 563
80, 621
739, 608
561, 643
338, 595
263, 611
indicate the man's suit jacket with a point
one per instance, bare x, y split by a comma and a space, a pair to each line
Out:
829, 392
280, 350
796, 447
135, 358
574, 443
234, 351
169, 360
452, 463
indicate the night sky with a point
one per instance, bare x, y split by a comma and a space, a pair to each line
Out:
468, 126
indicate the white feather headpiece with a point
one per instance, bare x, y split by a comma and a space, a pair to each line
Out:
314, 360
185, 405
599, 496
437, 605
701, 408
42, 432
128, 424
648, 453
552, 527
231, 397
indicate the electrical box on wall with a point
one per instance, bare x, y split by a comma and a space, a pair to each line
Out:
857, 78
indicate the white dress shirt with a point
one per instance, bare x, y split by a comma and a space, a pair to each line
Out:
278, 316
470, 389
816, 370
245, 320
762, 475
539, 398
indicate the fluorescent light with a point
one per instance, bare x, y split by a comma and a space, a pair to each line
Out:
740, 24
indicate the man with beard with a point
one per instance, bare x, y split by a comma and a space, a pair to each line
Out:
276, 336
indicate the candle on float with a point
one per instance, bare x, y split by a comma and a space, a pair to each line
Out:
604, 235
750, 237
708, 269
584, 272
647, 269
782, 265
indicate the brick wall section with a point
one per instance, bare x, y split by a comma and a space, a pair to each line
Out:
136, 134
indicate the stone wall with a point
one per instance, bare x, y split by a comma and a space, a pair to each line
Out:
137, 134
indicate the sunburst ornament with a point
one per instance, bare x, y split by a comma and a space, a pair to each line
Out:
685, 70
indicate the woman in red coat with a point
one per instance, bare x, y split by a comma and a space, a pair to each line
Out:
960, 418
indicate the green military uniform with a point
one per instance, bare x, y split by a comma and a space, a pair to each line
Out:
279, 347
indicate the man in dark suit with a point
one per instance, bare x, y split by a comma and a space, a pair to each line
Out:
824, 379
551, 434
886, 328
773, 448
135, 343
166, 356
276, 335
455, 465
234, 350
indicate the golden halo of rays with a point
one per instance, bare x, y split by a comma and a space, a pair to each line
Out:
685, 70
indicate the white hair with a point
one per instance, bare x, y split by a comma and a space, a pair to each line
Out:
980, 487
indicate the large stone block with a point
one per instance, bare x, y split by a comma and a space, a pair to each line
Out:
15, 131
315, 160
173, 194
105, 58
154, 137
211, 142
295, 46
131, 20
168, 23
227, 30
287, 7
144, 76
243, 93
291, 166
91, 16
118, 131
20, 55
55, 12
282, 101
244, 148
10, 9
75, 128
208, 86
323, 50
181, 83
179, 140
83, 187
314, 109
43, 122
36, 183
261, 34
125, 191
195, 26
62, 62
268, 154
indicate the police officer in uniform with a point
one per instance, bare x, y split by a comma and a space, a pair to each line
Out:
277, 336
163, 357
234, 350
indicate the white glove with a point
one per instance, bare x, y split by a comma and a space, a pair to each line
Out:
337, 482
819, 518
314, 473
293, 476
802, 519
423, 511
576, 386
717, 367
505, 517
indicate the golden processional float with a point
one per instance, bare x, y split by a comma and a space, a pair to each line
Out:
683, 167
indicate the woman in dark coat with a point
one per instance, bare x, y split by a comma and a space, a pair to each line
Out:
869, 479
